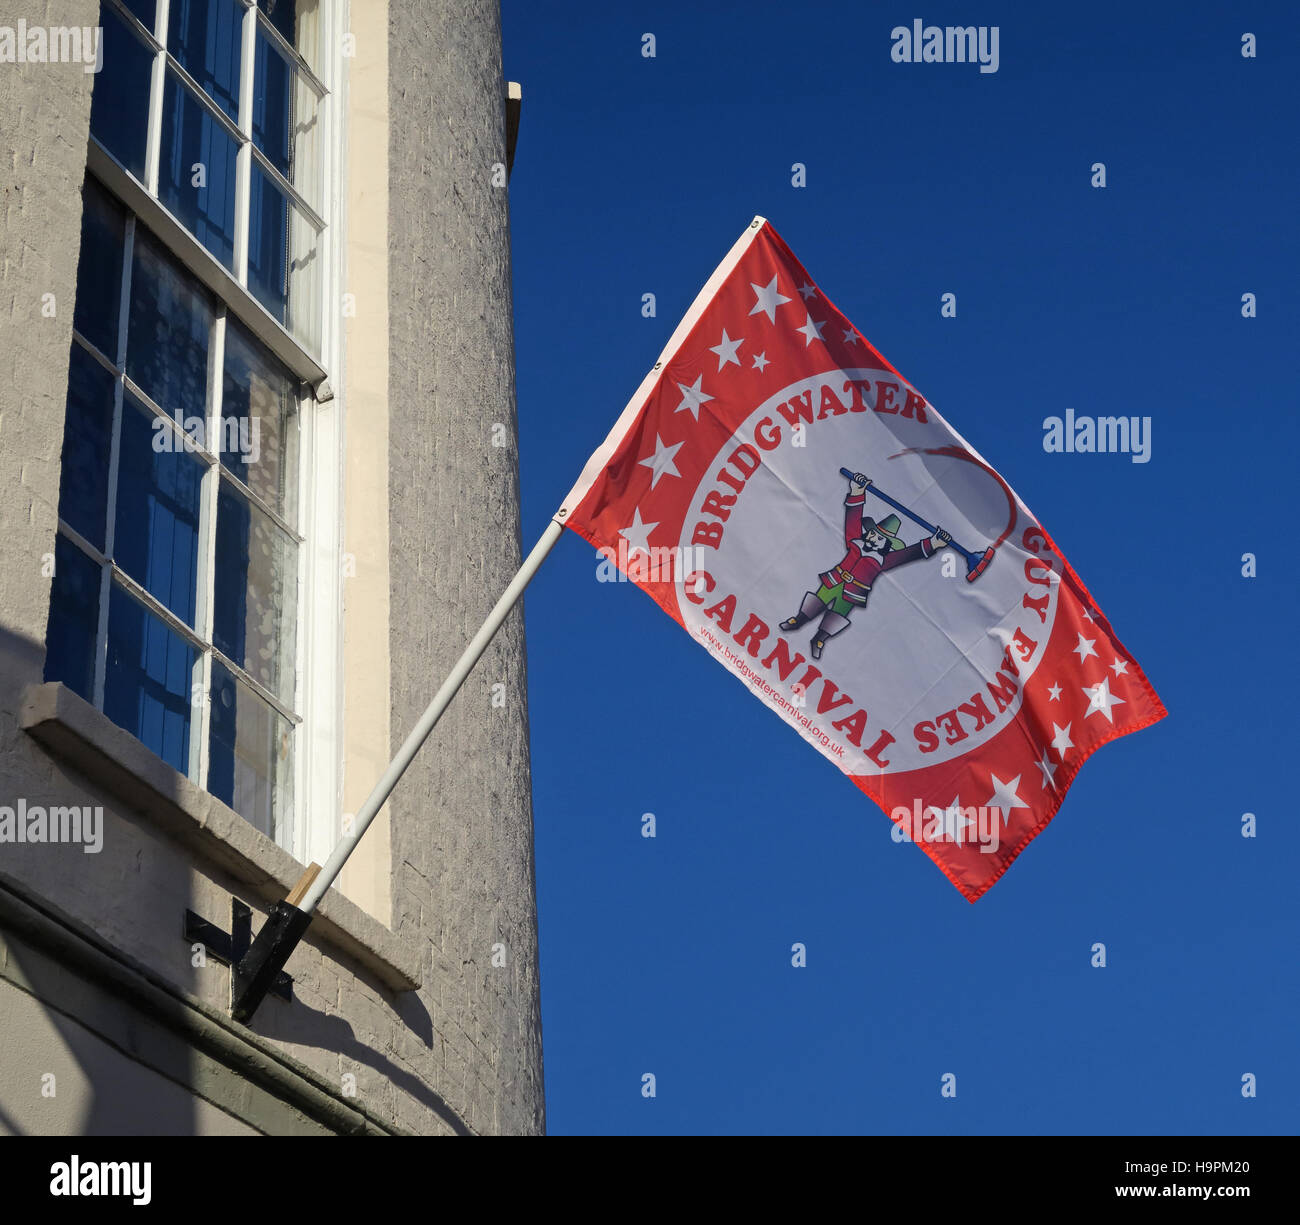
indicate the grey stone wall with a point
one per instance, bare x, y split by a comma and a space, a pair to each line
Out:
44, 121
462, 817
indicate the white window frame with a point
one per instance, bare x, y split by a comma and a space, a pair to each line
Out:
316, 713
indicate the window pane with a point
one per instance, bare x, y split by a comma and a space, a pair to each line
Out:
156, 535
195, 148
119, 104
204, 35
298, 23
167, 338
285, 120
74, 619
283, 260
87, 433
148, 678
250, 755
259, 406
144, 9
99, 269
255, 612
268, 245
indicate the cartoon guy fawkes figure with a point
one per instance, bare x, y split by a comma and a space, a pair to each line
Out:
872, 547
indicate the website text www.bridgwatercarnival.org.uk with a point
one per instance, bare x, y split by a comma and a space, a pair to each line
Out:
764, 686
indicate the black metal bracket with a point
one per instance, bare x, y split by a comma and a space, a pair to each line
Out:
260, 968
232, 949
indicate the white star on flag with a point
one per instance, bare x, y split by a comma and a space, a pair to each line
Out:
850, 335
1049, 769
661, 462
1061, 742
953, 822
692, 397
812, 330
1100, 699
807, 291
760, 361
768, 300
1084, 649
1054, 692
1119, 667
638, 535
1005, 796
726, 350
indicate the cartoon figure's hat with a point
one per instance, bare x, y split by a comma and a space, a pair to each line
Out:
887, 527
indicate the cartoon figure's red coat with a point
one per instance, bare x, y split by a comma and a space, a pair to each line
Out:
858, 571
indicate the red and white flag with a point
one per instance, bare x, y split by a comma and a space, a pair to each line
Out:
805, 514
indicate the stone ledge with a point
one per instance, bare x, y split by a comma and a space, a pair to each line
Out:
74, 731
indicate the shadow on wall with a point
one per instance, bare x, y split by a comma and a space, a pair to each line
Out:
64, 1080
302, 1024
59, 1076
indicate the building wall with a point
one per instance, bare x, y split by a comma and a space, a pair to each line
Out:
94, 972
462, 820
46, 118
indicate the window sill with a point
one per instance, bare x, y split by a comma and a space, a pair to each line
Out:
73, 730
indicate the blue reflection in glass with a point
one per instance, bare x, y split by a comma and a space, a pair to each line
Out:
144, 9
99, 269
147, 681
273, 106
230, 588
87, 435
74, 619
282, 14
204, 35
167, 336
268, 245
192, 136
119, 103
156, 533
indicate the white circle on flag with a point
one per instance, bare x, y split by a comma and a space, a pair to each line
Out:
933, 662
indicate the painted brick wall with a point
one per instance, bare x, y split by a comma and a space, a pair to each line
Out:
44, 121
462, 819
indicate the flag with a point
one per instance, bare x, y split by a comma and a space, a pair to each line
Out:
811, 520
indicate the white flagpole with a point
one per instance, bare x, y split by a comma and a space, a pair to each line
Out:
420, 732
288, 919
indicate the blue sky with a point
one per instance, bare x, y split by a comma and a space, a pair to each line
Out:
672, 955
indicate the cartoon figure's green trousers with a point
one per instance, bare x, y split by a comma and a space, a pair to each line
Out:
829, 604
833, 598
